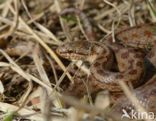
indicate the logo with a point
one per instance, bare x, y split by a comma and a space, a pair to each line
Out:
138, 115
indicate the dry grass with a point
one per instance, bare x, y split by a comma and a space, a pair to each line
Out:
33, 77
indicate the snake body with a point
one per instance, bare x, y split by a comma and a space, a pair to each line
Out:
146, 96
132, 45
130, 62
127, 53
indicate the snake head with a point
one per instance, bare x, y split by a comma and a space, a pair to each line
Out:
75, 50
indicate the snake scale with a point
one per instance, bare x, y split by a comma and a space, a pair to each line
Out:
132, 45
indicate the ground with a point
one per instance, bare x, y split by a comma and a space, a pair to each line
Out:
33, 78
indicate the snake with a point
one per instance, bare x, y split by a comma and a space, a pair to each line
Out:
132, 46
126, 51
131, 64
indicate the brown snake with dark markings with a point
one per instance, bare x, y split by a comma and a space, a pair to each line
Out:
128, 51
